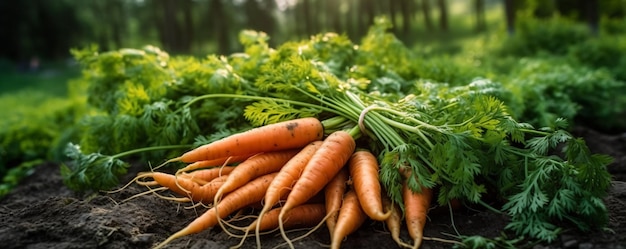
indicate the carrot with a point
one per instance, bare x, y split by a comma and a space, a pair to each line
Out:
363, 167
214, 163
285, 179
189, 188
351, 217
179, 185
323, 166
206, 175
305, 215
416, 207
258, 165
250, 193
394, 222
291, 134
333, 195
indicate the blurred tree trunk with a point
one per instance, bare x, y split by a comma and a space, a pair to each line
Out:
593, 15
216, 10
305, 10
259, 15
427, 17
367, 14
333, 20
443, 15
407, 17
392, 15
168, 26
114, 18
351, 25
509, 12
479, 6
188, 25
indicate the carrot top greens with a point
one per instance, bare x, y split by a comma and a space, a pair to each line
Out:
460, 139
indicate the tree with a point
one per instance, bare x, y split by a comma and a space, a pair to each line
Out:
407, 17
426, 11
305, 10
509, 12
479, 7
333, 20
259, 15
443, 15
220, 27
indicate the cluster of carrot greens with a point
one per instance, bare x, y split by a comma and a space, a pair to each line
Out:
454, 143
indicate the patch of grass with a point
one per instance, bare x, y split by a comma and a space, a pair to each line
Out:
49, 77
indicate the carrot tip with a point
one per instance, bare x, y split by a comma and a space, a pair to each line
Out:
176, 159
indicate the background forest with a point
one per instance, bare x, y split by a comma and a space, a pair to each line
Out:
47, 29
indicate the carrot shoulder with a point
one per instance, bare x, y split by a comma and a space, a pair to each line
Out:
291, 134
363, 167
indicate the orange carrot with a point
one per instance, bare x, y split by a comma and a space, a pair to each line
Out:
248, 194
179, 185
351, 217
305, 215
206, 175
364, 172
291, 134
189, 188
287, 176
323, 166
416, 207
394, 222
333, 194
255, 166
214, 163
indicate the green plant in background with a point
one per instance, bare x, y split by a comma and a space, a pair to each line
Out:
33, 125
546, 89
544, 35
602, 53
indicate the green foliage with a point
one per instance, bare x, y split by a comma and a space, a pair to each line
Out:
601, 53
14, 175
101, 172
145, 99
30, 128
546, 89
548, 35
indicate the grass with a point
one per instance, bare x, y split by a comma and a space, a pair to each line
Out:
50, 78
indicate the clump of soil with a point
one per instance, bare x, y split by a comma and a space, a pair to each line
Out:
43, 213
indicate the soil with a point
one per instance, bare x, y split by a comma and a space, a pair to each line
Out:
42, 213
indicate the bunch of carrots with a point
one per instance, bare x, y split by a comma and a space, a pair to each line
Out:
285, 166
